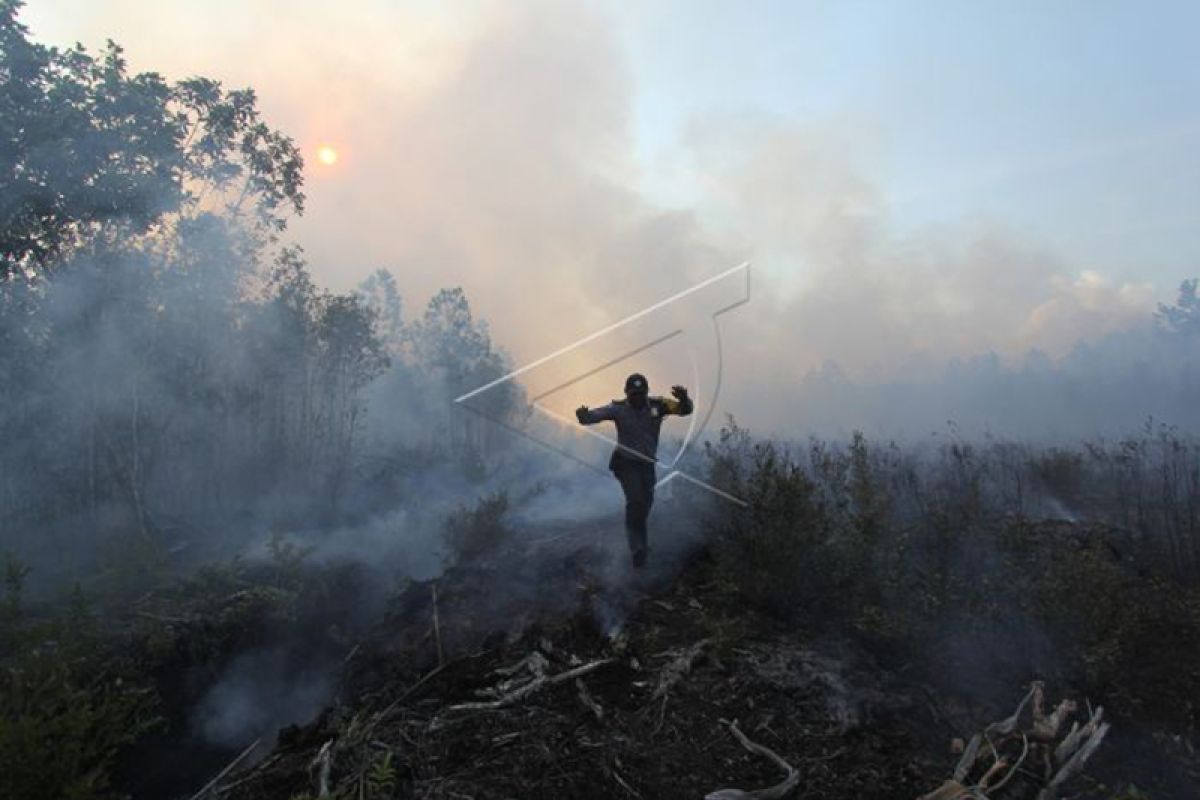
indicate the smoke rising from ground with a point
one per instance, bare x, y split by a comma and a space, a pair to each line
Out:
260, 691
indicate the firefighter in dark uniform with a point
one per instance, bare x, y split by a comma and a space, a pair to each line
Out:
638, 417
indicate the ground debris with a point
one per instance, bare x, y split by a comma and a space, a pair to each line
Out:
557, 708
1015, 758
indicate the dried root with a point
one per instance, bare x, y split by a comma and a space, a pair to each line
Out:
779, 790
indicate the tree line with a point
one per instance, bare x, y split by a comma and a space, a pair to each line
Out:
165, 362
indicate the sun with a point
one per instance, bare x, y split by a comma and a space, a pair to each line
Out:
327, 155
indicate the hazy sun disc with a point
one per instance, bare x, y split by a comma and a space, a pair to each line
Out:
327, 155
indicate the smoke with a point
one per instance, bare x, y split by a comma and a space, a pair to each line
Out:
516, 174
258, 693
494, 149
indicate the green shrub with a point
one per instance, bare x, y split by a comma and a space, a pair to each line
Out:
61, 731
64, 718
777, 549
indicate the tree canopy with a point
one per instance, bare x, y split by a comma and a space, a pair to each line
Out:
88, 150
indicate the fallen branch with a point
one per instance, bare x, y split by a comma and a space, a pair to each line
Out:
1007, 726
1037, 741
588, 701
250, 775
678, 669
535, 664
228, 768
404, 695
521, 693
621, 781
1074, 764
324, 764
776, 792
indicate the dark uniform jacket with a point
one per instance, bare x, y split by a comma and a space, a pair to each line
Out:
637, 428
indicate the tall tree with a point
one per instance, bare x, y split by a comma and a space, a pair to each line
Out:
89, 151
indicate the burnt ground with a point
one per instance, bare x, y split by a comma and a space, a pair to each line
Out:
621, 735
665, 661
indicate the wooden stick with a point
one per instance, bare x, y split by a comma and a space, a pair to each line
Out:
437, 628
324, 764
588, 701
515, 696
533, 686
208, 786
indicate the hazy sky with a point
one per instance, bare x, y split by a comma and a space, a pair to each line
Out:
1077, 123
914, 180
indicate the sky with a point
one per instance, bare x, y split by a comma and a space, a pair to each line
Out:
1074, 122
913, 182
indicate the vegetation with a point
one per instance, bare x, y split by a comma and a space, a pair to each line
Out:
990, 562
69, 711
165, 366
171, 378
472, 533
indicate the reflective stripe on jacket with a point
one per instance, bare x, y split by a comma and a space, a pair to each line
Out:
637, 428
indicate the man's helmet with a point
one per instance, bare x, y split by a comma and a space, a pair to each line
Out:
636, 383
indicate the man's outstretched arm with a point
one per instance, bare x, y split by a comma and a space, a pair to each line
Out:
682, 404
590, 416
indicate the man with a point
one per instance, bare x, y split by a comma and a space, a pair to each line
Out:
638, 418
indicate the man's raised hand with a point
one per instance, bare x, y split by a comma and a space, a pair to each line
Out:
582, 414
679, 392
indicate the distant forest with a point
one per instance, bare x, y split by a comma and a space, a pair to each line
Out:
165, 362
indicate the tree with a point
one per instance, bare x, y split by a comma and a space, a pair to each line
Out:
1184, 317
448, 342
89, 152
454, 351
378, 293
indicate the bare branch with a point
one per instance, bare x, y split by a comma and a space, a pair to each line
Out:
521, 693
779, 790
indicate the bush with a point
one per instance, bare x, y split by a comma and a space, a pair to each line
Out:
777, 549
61, 731
472, 533
64, 717
930, 552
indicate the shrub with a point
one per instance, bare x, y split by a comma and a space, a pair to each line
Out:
64, 718
776, 549
472, 533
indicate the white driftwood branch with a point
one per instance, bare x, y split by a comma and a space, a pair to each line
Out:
1040, 738
1007, 726
776, 792
1075, 764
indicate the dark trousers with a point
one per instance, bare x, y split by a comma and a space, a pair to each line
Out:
637, 482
